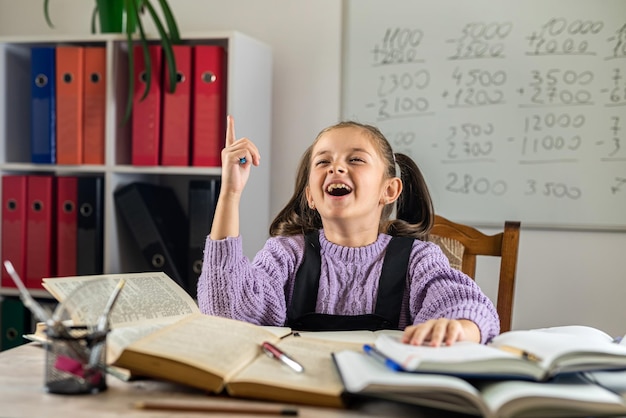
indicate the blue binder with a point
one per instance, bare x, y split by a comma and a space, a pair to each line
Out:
43, 108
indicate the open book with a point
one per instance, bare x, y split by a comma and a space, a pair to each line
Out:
566, 396
158, 332
531, 354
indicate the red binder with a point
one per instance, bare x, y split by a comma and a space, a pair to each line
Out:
94, 105
39, 230
176, 111
66, 217
209, 105
69, 85
14, 190
146, 124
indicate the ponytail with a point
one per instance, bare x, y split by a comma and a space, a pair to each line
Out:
414, 208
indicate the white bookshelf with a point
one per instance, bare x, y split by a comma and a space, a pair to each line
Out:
248, 99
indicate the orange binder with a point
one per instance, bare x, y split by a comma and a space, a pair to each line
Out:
13, 226
176, 111
146, 123
94, 105
69, 78
39, 230
209, 105
66, 217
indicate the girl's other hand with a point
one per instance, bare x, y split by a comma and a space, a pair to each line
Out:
436, 332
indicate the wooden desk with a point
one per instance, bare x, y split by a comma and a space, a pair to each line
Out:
22, 394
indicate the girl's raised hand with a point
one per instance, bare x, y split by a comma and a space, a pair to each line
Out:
238, 156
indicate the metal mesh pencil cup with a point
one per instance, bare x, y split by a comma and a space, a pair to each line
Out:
76, 361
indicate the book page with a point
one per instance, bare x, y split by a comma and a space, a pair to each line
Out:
566, 348
320, 377
149, 296
362, 374
357, 336
570, 396
218, 345
460, 358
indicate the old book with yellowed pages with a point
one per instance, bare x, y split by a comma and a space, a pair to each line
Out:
158, 332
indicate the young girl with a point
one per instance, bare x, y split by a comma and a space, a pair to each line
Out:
335, 261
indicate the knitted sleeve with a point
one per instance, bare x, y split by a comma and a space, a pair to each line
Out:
439, 291
232, 286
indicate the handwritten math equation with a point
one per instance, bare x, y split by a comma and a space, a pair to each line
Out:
545, 100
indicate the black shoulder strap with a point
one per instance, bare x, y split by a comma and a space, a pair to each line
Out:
306, 284
393, 279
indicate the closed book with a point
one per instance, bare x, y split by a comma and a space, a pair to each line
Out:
146, 121
90, 225
176, 111
94, 104
158, 225
69, 92
202, 200
209, 105
40, 230
43, 105
14, 198
66, 208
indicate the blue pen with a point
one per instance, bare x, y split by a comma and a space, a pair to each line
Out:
373, 352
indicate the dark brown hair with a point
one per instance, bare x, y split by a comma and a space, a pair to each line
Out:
414, 208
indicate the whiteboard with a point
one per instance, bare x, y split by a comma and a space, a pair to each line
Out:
513, 109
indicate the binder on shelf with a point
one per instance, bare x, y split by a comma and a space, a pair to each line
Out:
175, 129
70, 87
43, 105
146, 120
66, 208
14, 197
90, 225
14, 322
40, 230
158, 225
94, 105
209, 105
202, 200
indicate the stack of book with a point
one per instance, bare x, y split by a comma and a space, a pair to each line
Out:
540, 372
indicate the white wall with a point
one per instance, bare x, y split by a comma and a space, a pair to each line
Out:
564, 277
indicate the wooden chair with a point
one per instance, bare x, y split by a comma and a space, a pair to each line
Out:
462, 243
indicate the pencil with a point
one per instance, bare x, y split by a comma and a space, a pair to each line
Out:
215, 407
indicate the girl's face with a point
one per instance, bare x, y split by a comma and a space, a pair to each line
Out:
346, 180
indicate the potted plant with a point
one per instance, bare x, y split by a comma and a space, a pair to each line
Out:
124, 16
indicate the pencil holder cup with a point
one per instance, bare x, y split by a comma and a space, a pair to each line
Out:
75, 361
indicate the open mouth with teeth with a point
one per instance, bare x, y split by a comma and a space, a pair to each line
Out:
338, 189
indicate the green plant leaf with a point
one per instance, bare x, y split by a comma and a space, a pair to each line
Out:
46, 12
144, 47
131, 61
166, 43
171, 22
94, 16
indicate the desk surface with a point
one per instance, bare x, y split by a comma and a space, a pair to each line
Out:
22, 394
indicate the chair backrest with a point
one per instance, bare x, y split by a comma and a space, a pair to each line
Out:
462, 243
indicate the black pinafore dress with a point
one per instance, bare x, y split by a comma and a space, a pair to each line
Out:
301, 313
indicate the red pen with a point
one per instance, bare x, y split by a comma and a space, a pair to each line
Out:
272, 351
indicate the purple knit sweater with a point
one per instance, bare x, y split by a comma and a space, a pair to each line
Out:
260, 291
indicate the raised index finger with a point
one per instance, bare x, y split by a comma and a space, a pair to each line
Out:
230, 130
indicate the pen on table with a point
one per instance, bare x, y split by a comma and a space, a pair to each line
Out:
519, 352
374, 353
272, 351
215, 407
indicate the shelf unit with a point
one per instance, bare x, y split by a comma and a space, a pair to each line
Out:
249, 79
